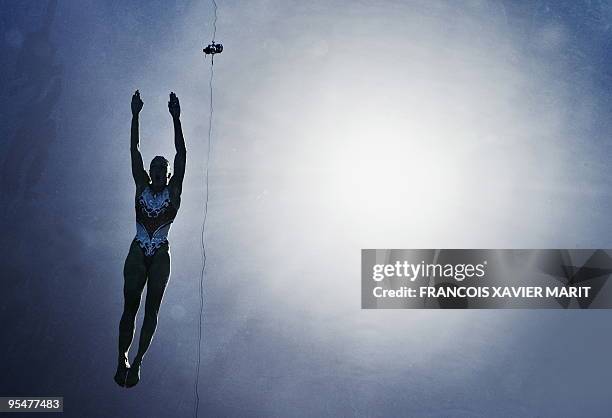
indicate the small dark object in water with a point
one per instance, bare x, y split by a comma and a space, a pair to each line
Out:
213, 49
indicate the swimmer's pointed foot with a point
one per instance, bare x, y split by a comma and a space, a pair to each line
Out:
120, 376
133, 376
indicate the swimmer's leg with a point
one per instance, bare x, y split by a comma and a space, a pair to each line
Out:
135, 277
159, 274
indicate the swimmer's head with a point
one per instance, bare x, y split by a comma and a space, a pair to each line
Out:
159, 172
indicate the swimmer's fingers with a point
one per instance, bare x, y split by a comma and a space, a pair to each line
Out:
137, 103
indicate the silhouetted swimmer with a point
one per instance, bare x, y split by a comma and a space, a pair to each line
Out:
158, 197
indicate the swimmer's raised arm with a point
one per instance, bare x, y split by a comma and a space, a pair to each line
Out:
176, 182
141, 178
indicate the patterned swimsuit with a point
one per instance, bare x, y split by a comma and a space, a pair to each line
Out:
154, 215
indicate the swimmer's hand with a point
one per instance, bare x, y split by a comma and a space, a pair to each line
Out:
136, 103
173, 106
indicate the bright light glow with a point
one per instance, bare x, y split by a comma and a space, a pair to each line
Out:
401, 127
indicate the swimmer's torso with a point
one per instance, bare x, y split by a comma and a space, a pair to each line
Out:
154, 215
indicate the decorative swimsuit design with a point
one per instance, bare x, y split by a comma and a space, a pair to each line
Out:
154, 215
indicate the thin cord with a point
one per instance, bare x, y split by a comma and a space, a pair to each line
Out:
203, 241
214, 21
203, 235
